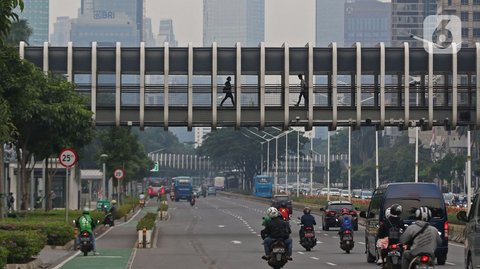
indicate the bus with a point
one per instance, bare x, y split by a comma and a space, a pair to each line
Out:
183, 188
263, 186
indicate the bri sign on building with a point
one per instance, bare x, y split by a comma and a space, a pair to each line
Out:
103, 15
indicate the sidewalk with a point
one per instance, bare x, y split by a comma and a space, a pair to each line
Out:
52, 257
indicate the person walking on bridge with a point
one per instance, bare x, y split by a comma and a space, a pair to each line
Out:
303, 91
227, 89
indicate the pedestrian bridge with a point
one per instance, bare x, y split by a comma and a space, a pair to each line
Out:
348, 86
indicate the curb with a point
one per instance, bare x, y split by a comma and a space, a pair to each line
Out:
67, 246
30, 265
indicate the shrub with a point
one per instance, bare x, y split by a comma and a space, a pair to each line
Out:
148, 221
122, 210
163, 207
22, 245
57, 233
3, 257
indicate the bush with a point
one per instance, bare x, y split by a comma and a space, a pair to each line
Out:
3, 257
148, 221
122, 210
22, 245
57, 233
163, 207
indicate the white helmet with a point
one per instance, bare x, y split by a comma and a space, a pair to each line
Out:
423, 213
272, 212
387, 213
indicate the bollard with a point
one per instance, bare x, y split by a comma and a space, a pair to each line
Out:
144, 237
161, 215
75, 235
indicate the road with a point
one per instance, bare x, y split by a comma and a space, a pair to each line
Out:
222, 232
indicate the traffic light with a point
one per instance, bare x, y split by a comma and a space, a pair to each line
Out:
155, 167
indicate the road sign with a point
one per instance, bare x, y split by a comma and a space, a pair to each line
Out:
118, 173
68, 157
155, 167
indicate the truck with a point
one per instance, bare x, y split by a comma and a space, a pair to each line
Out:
219, 183
183, 188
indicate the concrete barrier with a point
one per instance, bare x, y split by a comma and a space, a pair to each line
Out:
456, 233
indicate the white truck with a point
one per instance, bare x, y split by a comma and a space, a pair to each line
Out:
219, 183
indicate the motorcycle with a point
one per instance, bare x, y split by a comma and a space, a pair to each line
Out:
394, 257
85, 243
422, 261
192, 201
346, 241
308, 241
278, 254
142, 203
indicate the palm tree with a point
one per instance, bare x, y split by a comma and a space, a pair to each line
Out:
20, 31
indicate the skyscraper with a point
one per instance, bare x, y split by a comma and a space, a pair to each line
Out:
61, 32
368, 22
229, 21
166, 34
36, 13
329, 22
469, 14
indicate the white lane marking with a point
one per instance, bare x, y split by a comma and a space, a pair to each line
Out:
236, 242
450, 263
132, 258
361, 243
221, 226
319, 242
299, 252
335, 236
115, 257
254, 232
259, 235
325, 234
332, 264
315, 258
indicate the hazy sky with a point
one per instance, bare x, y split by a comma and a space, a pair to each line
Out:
285, 20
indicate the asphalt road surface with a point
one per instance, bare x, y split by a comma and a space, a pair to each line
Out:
222, 232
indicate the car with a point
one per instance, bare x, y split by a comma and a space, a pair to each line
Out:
211, 190
345, 193
472, 233
410, 196
356, 193
366, 195
279, 198
332, 212
335, 191
324, 191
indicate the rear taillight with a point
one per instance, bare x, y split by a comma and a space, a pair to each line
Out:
424, 259
331, 213
393, 246
85, 234
445, 230
347, 231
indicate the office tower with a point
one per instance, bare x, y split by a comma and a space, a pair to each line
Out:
368, 22
166, 34
61, 32
469, 13
36, 13
407, 20
230, 21
329, 22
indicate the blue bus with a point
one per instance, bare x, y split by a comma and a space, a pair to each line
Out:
183, 188
263, 186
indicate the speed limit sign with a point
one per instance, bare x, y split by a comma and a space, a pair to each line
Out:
68, 157
118, 173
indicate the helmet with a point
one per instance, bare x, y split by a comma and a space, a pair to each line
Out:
306, 210
272, 212
283, 204
345, 211
114, 202
396, 210
388, 213
229, 78
86, 210
423, 213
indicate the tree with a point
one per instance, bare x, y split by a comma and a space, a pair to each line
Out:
7, 15
19, 31
154, 139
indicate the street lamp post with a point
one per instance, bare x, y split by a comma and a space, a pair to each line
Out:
103, 189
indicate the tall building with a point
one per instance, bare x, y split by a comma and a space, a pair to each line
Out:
469, 14
61, 32
329, 22
166, 34
37, 15
368, 22
230, 21
407, 20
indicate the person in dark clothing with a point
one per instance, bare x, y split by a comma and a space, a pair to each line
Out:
277, 229
392, 224
10, 201
303, 91
227, 89
306, 220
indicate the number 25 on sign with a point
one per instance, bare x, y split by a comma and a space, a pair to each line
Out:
68, 157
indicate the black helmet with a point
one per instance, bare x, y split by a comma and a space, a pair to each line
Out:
306, 210
423, 213
283, 204
229, 78
396, 210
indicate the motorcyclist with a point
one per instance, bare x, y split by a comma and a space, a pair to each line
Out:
421, 237
346, 222
393, 223
86, 223
284, 211
276, 229
111, 212
142, 198
306, 220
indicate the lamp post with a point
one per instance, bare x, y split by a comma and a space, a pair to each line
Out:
103, 188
